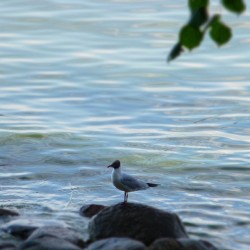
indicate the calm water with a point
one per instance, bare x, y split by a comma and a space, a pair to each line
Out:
84, 83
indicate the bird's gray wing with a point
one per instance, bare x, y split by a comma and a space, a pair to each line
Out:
132, 183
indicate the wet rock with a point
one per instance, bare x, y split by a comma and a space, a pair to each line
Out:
116, 243
24, 227
6, 245
48, 243
90, 210
189, 244
137, 221
165, 244
8, 212
181, 244
63, 233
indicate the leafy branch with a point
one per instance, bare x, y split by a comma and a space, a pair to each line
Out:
200, 22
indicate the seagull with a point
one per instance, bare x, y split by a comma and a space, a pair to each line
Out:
125, 182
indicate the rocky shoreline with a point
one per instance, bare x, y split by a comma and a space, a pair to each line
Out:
130, 226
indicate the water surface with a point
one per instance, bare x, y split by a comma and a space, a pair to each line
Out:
85, 83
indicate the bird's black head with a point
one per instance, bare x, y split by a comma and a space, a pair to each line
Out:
116, 164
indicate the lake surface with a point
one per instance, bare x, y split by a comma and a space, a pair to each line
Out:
84, 83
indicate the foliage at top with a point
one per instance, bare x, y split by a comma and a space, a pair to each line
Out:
200, 22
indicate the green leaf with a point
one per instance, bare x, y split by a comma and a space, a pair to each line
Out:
220, 32
236, 6
214, 18
175, 52
196, 4
199, 17
190, 36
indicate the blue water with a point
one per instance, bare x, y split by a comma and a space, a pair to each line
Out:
84, 83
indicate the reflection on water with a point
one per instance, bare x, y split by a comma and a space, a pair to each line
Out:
83, 84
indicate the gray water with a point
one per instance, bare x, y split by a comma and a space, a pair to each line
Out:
84, 83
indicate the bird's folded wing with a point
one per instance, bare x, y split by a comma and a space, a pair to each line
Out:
132, 183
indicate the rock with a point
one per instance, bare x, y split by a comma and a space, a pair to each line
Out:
6, 212
63, 233
189, 244
6, 245
48, 243
90, 210
137, 221
116, 243
165, 244
181, 244
24, 227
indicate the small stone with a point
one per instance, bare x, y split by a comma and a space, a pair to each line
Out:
63, 233
181, 244
6, 212
165, 244
48, 243
117, 243
190, 244
6, 245
90, 210
24, 227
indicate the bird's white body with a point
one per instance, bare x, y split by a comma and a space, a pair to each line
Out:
125, 182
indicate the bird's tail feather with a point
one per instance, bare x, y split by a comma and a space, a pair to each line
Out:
152, 185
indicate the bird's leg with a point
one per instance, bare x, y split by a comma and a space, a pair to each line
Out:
125, 197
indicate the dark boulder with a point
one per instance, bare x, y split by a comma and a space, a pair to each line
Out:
181, 244
165, 244
137, 221
117, 244
7, 245
24, 227
63, 233
90, 210
190, 244
8, 212
48, 243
